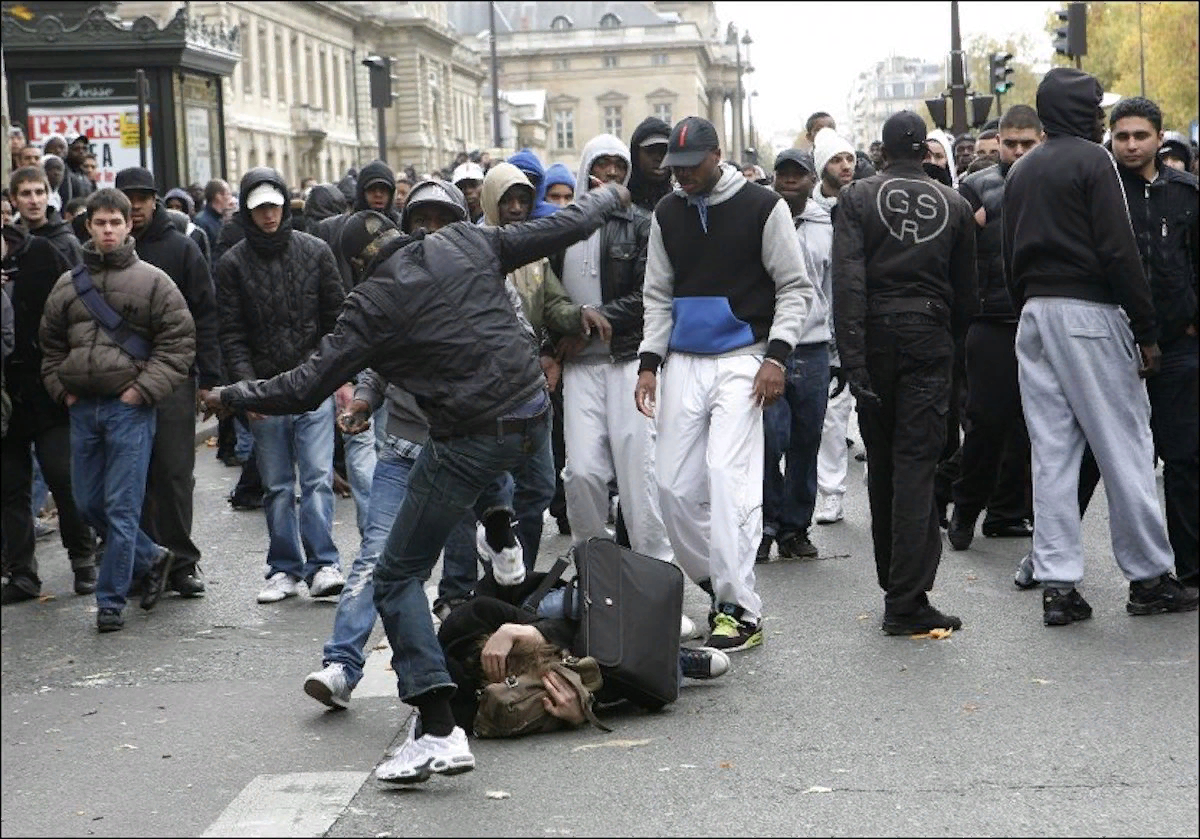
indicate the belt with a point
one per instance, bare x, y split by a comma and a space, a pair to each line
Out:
500, 426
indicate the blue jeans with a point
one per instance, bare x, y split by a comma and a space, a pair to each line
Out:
360, 467
110, 455
39, 492
355, 615
286, 447
792, 428
532, 494
446, 481
243, 445
460, 558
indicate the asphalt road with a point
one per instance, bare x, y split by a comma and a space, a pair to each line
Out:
192, 720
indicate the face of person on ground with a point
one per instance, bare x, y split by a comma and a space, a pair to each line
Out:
988, 147
108, 229
701, 177
936, 154
267, 217
1135, 142
822, 122
223, 203
88, 167
609, 169
964, 153
432, 217
16, 140
1015, 143
1174, 162
6, 212
377, 196
54, 172
142, 203
560, 195
470, 190
174, 204
403, 188
516, 204
31, 198
793, 181
839, 171
29, 156
650, 160
748, 172
76, 153
56, 147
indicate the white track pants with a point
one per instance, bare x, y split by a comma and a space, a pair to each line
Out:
832, 457
607, 437
710, 472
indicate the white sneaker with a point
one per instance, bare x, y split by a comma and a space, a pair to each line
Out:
279, 587
426, 755
687, 628
829, 509
329, 686
703, 662
327, 582
508, 564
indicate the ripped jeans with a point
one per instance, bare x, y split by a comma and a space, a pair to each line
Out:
356, 613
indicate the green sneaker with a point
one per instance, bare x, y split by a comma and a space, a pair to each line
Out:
730, 634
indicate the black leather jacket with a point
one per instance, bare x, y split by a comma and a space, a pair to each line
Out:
624, 241
985, 189
435, 319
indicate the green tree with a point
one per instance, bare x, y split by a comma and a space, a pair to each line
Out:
1168, 44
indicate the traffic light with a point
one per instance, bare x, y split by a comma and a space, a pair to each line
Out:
937, 111
1071, 39
999, 71
381, 80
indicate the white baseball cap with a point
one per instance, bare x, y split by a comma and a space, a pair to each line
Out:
264, 194
467, 172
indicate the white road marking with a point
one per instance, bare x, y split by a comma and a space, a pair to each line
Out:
299, 804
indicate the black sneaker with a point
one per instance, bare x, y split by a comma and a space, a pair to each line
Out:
11, 593
797, 546
85, 580
1008, 530
188, 582
919, 622
961, 530
702, 662
109, 620
730, 634
1160, 594
1063, 606
764, 549
156, 580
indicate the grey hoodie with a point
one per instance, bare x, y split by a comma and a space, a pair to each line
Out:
815, 233
581, 261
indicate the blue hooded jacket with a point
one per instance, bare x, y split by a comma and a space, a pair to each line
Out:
558, 174
528, 162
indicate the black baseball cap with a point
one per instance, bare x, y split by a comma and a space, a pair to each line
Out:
135, 179
802, 159
80, 138
903, 132
691, 140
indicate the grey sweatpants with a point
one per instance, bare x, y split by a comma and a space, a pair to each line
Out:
1077, 365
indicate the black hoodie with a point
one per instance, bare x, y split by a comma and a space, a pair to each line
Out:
1066, 227
331, 228
61, 235
324, 201
646, 193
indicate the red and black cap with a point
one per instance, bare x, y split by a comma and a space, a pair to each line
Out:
691, 140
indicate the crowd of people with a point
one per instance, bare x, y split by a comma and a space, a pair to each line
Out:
467, 351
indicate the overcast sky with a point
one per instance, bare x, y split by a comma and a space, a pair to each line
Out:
806, 55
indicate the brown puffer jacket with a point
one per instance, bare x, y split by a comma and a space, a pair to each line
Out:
78, 357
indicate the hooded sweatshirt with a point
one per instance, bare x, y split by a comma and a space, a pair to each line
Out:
1066, 228
814, 230
724, 274
324, 201
946, 142
558, 173
528, 162
189, 206
582, 261
545, 302
647, 193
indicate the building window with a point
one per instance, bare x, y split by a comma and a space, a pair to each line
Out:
562, 64
662, 110
294, 69
323, 70
264, 64
338, 88
898, 90
610, 21
881, 91
349, 74
612, 120
658, 59
564, 128
280, 68
247, 62
610, 60
561, 22
311, 71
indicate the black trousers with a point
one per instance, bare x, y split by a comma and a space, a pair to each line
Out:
171, 479
558, 504
909, 359
53, 447
994, 464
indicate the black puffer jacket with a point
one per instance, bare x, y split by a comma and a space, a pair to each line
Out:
232, 232
330, 230
276, 294
436, 320
985, 189
163, 246
624, 241
37, 268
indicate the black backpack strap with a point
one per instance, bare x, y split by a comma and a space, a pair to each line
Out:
104, 315
552, 576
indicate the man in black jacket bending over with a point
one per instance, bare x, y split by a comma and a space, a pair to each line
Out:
435, 319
